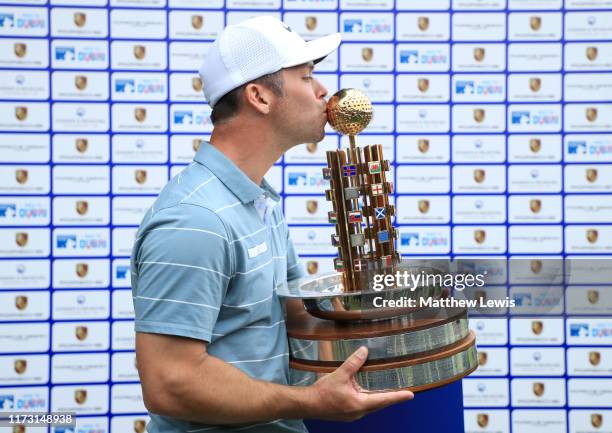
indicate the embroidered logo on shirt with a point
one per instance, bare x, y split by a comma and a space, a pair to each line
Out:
257, 250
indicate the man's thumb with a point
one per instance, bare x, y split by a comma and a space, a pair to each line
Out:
354, 362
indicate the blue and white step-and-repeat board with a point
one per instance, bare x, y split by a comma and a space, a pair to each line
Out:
496, 115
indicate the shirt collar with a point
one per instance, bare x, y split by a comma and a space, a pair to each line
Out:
232, 177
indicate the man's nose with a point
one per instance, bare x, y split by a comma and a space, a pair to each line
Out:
321, 91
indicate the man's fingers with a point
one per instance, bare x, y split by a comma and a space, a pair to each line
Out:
354, 362
379, 400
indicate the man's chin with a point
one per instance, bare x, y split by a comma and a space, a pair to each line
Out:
321, 136
314, 138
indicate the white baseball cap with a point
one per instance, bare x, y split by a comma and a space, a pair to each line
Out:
256, 47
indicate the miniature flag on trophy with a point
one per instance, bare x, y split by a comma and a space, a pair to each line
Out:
354, 216
377, 189
349, 170
351, 193
374, 167
383, 236
380, 213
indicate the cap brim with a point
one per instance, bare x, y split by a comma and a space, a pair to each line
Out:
316, 50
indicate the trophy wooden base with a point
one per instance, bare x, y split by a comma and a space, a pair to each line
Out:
419, 351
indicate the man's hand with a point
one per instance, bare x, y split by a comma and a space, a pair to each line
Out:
337, 396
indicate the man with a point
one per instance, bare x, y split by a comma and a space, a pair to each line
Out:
211, 341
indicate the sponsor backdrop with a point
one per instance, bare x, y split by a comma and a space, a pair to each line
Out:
496, 115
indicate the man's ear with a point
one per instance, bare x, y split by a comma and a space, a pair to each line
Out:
258, 97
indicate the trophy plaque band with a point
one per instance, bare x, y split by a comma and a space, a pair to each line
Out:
319, 341
416, 374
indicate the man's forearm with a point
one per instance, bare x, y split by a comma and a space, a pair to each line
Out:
182, 380
215, 392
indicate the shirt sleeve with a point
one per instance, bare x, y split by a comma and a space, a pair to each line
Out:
295, 269
182, 266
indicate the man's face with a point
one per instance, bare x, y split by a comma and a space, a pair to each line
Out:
301, 113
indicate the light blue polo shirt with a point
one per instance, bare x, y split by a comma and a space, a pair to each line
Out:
207, 259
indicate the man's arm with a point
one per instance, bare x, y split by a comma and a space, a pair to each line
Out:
183, 265
193, 385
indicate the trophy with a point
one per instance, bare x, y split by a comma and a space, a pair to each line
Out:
410, 347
